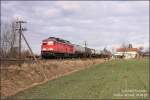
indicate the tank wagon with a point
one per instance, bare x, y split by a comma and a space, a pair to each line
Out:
56, 47
79, 51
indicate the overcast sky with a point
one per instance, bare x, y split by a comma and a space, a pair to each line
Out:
100, 23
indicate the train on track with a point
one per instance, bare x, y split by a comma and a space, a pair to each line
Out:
53, 47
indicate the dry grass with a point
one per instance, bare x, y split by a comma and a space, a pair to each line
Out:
29, 75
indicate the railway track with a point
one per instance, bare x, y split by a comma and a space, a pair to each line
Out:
8, 62
5, 63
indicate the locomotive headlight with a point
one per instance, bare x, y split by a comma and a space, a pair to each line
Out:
44, 49
50, 42
50, 49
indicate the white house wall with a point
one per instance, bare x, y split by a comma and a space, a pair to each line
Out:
131, 54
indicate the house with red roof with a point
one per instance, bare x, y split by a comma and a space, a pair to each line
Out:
126, 53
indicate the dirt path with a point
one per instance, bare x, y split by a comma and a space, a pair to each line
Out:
14, 81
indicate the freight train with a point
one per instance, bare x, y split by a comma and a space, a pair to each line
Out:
59, 48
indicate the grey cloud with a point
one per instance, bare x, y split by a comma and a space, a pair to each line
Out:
100, 23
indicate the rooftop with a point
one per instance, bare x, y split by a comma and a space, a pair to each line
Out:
126, 49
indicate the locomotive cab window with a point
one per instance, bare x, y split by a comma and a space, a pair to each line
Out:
44, 43
50, 42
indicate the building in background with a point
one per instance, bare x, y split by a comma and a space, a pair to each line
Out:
126, 52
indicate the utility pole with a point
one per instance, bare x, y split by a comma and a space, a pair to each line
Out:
20, 32
85, 46
20, 29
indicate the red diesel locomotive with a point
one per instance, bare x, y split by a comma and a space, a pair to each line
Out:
56, 47
59, 48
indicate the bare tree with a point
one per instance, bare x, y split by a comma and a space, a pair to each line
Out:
9, 41
124, 48
147, 52
141, 52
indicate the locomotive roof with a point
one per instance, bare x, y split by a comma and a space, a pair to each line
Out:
59, 39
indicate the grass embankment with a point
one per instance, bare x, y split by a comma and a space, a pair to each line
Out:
113, 79
16, 79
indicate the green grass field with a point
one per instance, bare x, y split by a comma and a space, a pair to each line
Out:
103, 81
